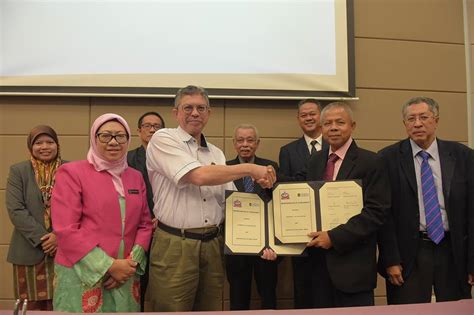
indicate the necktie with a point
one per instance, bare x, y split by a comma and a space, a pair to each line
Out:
248, 184
313, 147
329, 172
434, 223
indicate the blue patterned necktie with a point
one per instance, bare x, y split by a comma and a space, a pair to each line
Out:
434, 223
248, 184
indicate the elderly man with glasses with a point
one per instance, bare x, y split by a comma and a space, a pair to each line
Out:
428, 241
189, 178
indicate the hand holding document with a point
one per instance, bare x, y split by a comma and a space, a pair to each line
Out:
298, 216
302, 208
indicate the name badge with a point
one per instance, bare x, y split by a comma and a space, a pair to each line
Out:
133, 191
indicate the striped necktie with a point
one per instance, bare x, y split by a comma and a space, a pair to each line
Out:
248, 184
434, 223
313, 147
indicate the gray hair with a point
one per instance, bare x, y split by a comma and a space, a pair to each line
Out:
432, 104
190, 90
337, 104
247, 126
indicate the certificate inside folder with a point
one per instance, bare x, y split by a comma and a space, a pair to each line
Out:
304, 207
249, 226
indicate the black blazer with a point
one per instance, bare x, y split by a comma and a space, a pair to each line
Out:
293, 159
351, 261
137, 159
265, 194
398, 238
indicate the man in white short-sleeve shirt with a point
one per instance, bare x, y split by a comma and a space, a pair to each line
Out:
189, 178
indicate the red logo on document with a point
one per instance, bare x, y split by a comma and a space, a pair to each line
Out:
285, 196
237, 203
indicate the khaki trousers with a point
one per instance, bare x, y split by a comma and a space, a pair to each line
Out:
185, 274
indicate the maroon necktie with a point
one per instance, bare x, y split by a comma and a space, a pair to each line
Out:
329, 172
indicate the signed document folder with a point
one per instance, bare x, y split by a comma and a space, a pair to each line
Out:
249, 226
300, 208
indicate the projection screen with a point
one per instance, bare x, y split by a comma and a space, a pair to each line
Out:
234, 48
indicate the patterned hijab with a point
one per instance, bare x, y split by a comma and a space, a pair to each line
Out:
115, 168
44, 171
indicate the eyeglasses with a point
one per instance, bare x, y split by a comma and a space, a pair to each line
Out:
242, 140
149, 126
107, 137
188, 109
422, 118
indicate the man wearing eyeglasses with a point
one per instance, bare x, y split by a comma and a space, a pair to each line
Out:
428, 241
240, 268
148, 124
189, 179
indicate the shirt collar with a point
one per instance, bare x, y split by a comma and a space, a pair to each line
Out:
309, 139
432, 150
187, 137
341, 152
252, 160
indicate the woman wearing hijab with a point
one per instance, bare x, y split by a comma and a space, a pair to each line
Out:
103, 226
33, 242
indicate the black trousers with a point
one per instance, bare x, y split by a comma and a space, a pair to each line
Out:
302, 284
434, 268
325, 295
239, 270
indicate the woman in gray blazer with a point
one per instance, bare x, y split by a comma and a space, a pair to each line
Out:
33, 243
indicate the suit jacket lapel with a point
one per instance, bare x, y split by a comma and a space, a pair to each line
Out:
321, 161
348, 163
302, 149
407, 164
447, 162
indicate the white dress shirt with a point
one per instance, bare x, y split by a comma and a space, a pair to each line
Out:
171, 154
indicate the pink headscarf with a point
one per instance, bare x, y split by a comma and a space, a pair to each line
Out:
114, 168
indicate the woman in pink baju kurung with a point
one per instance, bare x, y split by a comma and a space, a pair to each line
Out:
103, 226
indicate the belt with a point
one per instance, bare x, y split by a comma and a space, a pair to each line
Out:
424, 235
208, 233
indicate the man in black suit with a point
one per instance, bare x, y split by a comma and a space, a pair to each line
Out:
428, 240
344, 258
148, 124
293, 162
240, 267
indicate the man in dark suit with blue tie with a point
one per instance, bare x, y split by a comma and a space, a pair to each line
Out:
428, 241
240, 267
293, 162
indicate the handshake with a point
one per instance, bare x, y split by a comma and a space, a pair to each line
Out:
265, 176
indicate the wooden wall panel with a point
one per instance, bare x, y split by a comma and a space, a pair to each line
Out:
378, 114
67, 115
272, 118
416, 20
407, 65
132, 108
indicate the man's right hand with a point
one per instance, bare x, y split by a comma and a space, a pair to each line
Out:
395, 275
265, 176
122, 269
